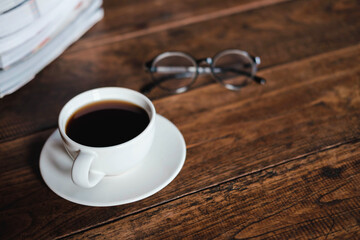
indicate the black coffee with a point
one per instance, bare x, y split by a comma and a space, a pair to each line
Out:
106, 123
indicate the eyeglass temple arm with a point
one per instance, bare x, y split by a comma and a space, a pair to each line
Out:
257, 79
148, 64
148, 87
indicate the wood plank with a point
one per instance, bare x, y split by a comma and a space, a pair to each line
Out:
279, 34
315, 197
313, 112
134, 18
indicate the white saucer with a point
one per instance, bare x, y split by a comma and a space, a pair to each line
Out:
160, 167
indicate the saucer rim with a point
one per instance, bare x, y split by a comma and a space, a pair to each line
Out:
139, 197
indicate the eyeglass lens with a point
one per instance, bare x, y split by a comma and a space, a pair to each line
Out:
174, 72
233, 69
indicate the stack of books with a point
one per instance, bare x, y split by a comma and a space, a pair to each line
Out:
35, 32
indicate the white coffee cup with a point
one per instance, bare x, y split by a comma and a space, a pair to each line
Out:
91, 164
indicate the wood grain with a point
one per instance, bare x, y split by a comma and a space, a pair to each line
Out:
280, 33
133, 19
235, 134
315, 197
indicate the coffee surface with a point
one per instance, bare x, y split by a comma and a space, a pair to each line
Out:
106, 123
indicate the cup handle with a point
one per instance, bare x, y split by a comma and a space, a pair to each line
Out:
81, 173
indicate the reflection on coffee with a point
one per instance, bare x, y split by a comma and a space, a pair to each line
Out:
106, 123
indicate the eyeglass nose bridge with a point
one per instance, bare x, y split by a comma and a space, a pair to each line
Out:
204, 69
201, 69
207, 60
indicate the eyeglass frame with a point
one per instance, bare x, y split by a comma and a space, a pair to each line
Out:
255, 61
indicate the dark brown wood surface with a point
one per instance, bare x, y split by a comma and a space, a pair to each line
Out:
279, 161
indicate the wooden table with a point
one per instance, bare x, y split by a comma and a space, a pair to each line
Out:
279, 161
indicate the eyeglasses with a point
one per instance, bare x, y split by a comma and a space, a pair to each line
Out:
177, 71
